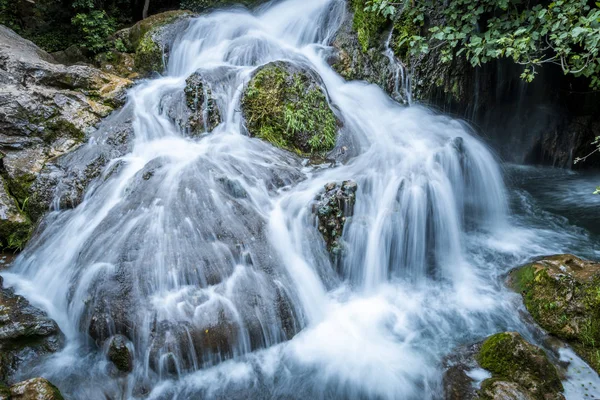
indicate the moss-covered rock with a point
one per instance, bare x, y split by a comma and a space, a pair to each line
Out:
15, 226
369, 26
333, 207
35, 389
562, 294
511, 359
286, 106
205, 115
517, 370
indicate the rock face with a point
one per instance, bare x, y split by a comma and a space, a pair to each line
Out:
287, 107
333, 207
204, 116
203, 5
143, 48
562, 295
45, 111
34, 389
25, 333
518, 369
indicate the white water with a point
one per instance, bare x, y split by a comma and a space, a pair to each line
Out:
161, 251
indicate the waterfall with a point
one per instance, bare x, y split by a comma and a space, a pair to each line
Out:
204, 253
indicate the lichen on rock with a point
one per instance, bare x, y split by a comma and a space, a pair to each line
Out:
287, 107
562, 294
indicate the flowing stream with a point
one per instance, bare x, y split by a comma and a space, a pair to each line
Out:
204, 251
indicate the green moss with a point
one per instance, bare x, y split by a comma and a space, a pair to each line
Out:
4, 391
565, 307
289, 111
148, 56
510, 358
404, 29
14, 235
203, 5
61, 128
368, 25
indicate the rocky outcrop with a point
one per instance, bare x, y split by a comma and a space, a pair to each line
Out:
286, 106
25, 333
562, 294
33, 389
516, 370
143, 48
46, 109
333, 207
204, 5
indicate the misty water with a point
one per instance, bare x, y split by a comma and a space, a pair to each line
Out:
164, 251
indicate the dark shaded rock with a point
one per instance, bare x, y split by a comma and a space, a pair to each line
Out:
333, 207
120, 354
286, 106
562, 295
15, 226
204, 5
205, 114
35, 389
517, 370
26, 333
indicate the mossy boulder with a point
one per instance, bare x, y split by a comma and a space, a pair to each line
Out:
35, 389
120, 354
521, 366
562, 294
205, 115
287, 107
15, 226
333, 207
516, 370
368, 25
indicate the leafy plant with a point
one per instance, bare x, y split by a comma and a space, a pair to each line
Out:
563, 32
95, 26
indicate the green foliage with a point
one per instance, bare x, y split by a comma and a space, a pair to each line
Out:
563, 32
288, 111
95, 27
368, 25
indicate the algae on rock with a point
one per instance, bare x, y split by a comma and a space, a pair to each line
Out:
286, 106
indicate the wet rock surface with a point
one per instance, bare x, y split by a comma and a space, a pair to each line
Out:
120, 354
205, 115
26, 333
333, 207
33, 389
286, 106
561, 293
514, 369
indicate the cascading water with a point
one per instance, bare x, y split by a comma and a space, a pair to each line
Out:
204, 253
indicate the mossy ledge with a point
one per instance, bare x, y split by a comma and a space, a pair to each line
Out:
287, 107
562, 294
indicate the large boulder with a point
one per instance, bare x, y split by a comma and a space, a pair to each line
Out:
286, 106
46, 110
562, 294
26, 333
204, 114
502, 367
